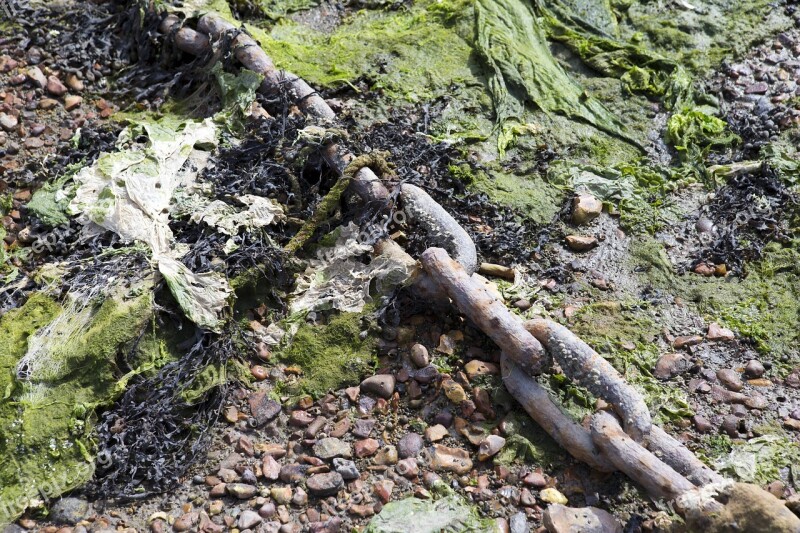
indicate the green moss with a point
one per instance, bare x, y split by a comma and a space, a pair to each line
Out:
331, 356
48, 418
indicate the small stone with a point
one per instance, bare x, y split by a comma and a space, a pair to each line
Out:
386, 455
535, 480
580, 243
454, 460
242, 491
426, 374
299, 498
74, 83
263, 408
281, 495
270, 468
346, 468
585, 208
248, 519
454, 392
383, 489
267, 510
259, 372
231, 414
409, 445
518, 523
477, 368
331, 447
718, 333
670, 365
69, 511
702, 424
791, 423
300, 418
447, 344
380, 385
293, 473
47, 103
730, 425
366, 447
185, 522
551, 495
8, 122
730, 378
754, 369
490, 446
704, 270
37, 77
340, 428
760, 87
363, 427
322, 485
362, 510
407, 468
55, 87
419, 355
436, 433
71, 102
558, 518
685, 341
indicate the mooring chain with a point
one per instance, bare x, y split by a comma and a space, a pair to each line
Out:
646, 453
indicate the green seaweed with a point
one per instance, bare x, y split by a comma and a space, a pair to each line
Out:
331, 356
48, 418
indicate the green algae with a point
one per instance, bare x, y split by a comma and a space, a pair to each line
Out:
49, 417
331, 356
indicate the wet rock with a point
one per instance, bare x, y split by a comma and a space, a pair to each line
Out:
346, 468
419, 355
730, 378
730, 426
321, 485
728, 506
551, 495
490, 446
426, 374
518, 523
69, 511
558, 518
386, 455
754, 369
702, 424
242, 491
535, 480
38, 78
585, 208
580, 243
262, 408
267, 510
381, 385
409, 445
331, 447
447, 344
684, 341
366, 447
453, 460
670, 365
718, 333
407, 468
248, 519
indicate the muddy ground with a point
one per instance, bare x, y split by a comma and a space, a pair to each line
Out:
688, 284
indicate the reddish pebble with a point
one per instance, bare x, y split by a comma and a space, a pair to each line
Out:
259, 372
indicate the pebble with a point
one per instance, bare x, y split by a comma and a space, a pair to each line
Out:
454, 392
262, 408
426, 374
69, 511
730, 378
267, 510
340, 428
8, 122
754, 369
242, 491
346, 468
585, 208
55, 87
259, 372
185, 522
551, 495
409, 445
299, 498
561, 519
293, 473
477, 368
670, 365
386, 455
380, 385
535, 480
363, 427
383, 489
248, 519
518, 523
718, 333
322, 485
407, 468
684, 341
581, 243
270, 468
453, 460
435, 433
38, 78
281, 495
490, 446
419, 355
331, 447
702, 424
366, 447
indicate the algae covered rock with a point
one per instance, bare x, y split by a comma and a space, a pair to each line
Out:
450, 513
731, 507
